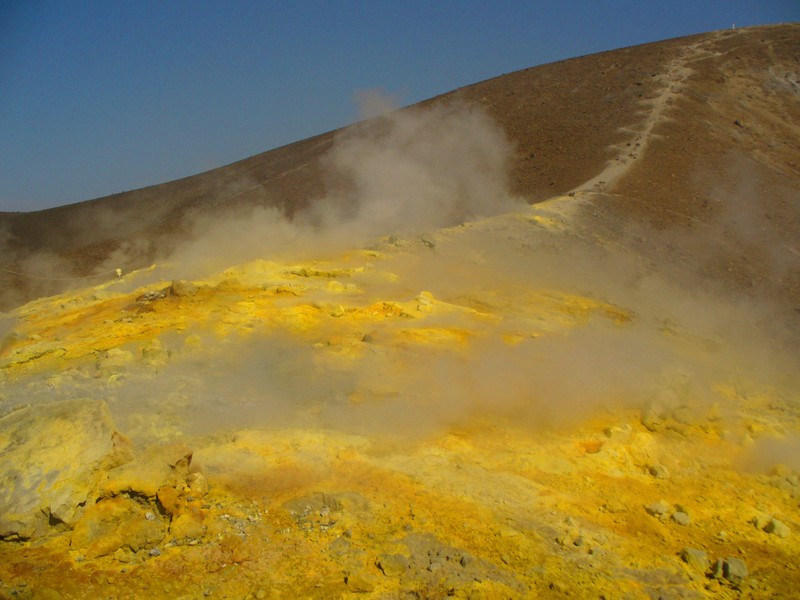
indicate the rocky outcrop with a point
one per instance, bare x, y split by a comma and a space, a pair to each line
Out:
52, 461
64, 467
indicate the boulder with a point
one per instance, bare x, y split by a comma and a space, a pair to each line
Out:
53, 458
154, 468
734, 570
114, 523
697, 559
776, 527
392, 565
182, 289
657, 509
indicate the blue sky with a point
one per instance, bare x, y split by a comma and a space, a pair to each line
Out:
97, 97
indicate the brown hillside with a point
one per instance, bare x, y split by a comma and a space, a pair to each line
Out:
683, 125
420, 387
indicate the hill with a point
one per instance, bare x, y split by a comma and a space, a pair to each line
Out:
669, 131
534, 338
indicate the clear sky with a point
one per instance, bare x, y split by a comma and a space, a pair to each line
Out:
97, 97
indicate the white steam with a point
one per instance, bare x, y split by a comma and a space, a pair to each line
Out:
418, 170
424, 168
404, 172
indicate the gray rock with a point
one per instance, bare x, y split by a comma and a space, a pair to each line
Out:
435, 564
681, 518
776, 527
438, 565
392, 565
734, 570
761, 521
181, 289
152, 296
731, 569
697, 559
657, 509
716, 569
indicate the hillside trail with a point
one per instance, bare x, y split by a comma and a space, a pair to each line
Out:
654, 110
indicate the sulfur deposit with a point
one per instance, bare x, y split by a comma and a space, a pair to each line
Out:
361, 367
479, 412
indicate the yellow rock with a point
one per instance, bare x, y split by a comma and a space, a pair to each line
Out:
461, 437
187, 525
151, 470
115, 523
168, 500
53, 458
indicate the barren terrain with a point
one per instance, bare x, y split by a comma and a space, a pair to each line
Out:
537, 337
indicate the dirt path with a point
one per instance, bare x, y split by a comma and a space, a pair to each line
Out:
654, 108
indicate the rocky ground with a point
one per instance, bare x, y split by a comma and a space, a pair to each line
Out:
690, 121
592, 397
514, 407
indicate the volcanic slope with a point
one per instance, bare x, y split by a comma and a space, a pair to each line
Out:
717, 114
592, 396
467, 413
